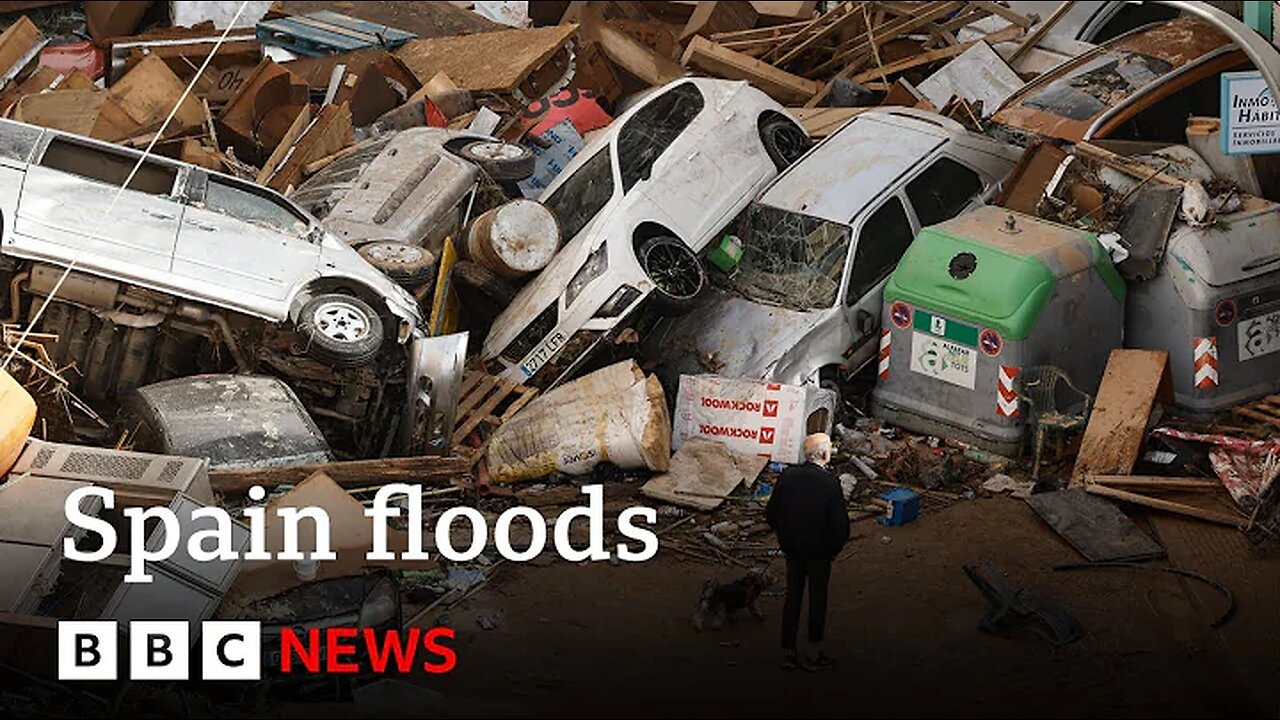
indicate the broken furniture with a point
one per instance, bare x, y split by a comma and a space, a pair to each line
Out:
980, 298
1131, 386
1023, 612
1039, 387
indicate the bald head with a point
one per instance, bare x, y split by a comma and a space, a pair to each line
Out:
817, 448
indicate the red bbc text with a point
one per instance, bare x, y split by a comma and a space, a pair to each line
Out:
334, 650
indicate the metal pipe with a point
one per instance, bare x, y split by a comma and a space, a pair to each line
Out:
15, 296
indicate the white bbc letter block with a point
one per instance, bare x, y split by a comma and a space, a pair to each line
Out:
159, 649
87, 649
231, 650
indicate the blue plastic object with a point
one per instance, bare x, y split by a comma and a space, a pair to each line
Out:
905, 506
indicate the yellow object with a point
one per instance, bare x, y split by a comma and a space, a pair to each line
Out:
17, 415
445, 307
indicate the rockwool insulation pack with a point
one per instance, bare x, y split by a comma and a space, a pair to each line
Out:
751, 416
614, 414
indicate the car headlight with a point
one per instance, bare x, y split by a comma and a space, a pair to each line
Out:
593, 268
379, 606
619, 301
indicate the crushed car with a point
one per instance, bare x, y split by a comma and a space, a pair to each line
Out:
188, 271
1140, 86
802, 305
637, 206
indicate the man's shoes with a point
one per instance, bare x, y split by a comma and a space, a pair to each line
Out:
820, 661
790, 660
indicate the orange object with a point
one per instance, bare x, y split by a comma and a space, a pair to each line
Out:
17, 415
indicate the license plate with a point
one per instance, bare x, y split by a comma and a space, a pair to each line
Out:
542, 354
1258, 336
947, 361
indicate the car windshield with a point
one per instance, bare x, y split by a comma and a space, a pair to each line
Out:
583, 195
790, 259
1101, 83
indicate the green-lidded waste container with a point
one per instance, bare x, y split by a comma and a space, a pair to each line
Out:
977, 299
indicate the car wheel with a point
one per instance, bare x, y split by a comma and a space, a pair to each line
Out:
501, 161
340, 330
409, 265
783, 141
675, 271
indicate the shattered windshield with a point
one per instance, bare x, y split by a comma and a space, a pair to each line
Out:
1099, 84
583, 195
790, 259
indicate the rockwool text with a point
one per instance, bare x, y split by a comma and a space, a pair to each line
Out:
216, 543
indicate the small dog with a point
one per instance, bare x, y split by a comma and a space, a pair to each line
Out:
720, 601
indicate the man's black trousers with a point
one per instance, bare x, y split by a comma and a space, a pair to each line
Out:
817, 573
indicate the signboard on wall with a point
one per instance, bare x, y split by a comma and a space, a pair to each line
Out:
1250, 118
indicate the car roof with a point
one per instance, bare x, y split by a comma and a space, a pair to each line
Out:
1181, 43
853, 165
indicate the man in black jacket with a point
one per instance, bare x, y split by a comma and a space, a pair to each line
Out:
807, 511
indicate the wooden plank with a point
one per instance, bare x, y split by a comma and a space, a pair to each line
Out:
290, 138
626, 52
487, 384
492, 61
149, 91
527, 394
1255, 415
823, 27
965, 17
1133, 382
1133, 168
348, 473
877, 36
18, 44
934, 55
1040, 31
331, 131
1009, 14
722, 62
719, 16
504, 390
821, 122
772, 32
1167, 505
1155, 482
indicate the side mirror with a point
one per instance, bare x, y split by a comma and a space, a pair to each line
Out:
866, 322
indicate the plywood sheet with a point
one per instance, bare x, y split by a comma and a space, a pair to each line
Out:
1133, 382
703, 473
493, 61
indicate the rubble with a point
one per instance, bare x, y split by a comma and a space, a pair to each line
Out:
449, 202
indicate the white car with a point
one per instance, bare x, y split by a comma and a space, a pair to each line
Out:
637, 206
803, 304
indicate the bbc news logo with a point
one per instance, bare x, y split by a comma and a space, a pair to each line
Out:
234, 650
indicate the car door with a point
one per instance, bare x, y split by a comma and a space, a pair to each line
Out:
880, 239
662, 155
72, 209
253, 242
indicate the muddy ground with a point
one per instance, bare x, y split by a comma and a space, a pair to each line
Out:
603, 640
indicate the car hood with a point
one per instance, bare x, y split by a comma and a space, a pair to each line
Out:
732, 336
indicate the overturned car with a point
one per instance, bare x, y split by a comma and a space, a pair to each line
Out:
187, 271
637, 207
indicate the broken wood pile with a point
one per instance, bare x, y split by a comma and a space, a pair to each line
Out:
867, 44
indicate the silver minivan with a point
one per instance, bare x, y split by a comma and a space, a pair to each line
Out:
803, 303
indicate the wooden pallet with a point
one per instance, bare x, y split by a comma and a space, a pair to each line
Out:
486, 403
1266, 411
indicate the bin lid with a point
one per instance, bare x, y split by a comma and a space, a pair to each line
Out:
1237, 247
996, 268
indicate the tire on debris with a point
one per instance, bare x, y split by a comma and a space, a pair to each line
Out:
408, 265
339, 330
501, 161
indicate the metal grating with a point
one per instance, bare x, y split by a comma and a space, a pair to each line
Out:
42, 458
106, 465
170, 471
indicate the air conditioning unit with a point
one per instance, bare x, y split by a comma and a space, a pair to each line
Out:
132, 475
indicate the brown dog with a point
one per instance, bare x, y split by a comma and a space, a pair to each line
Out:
720, 601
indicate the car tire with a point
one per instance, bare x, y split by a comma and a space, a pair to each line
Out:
784, 141
341, 331
476, 278
675, 271
501, 161
408, 265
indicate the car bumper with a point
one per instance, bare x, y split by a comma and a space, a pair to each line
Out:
433, 386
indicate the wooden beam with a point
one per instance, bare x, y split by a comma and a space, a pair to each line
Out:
1155, 482
1041, 30
1166, 505
825, 26
1007, 13
719, 16
772, 32
347, 473
722, 62
1133, 168
935, 55
879, 35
